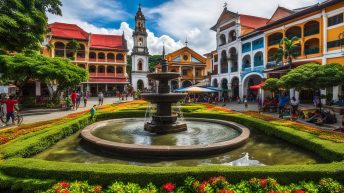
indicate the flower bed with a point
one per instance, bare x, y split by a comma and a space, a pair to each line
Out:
9, 134
212, 185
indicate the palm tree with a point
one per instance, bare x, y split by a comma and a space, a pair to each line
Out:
288, 50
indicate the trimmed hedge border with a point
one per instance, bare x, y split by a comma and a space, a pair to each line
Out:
39, 172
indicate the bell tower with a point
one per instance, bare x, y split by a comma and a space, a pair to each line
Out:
140, 54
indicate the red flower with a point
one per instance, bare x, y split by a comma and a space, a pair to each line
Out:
66, 191
169, 187
98, 189
225, 191
299, 191
272, 191
263, 182
64, 184
202, 186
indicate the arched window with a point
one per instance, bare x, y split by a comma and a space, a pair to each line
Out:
101, 57
275, 38
222, 39
110, 69
140, 85
93, 56
92, 69
101, 69
140, 66
215, 83
246, 62
258, 59
110, 57
311, 28
140, 43
224, 62
69, 50
119, 57
59, 49
293, 32
233, 58
312, 46
119, 70
272, 54
232, 36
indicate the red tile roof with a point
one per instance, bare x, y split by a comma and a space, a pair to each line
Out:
99, 41
252, 21
68, 31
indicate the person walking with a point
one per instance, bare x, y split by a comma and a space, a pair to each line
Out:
78, 100
100, 98
74, 96
10, 108
93, 111
282, 101
85, 100
294, 105
245, 102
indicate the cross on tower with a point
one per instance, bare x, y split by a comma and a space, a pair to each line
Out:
186, 41
225, 5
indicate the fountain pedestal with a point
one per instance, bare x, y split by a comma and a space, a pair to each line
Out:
164, 120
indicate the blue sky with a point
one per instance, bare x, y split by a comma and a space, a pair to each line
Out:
168, 21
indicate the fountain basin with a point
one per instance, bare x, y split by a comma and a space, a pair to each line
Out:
131, 149
163, 98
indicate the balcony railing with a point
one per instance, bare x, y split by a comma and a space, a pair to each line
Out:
93, 59
311, 32
312, 51
273, 64
109, 74
224, 70
290, 36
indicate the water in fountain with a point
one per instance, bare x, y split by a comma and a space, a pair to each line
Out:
179, 112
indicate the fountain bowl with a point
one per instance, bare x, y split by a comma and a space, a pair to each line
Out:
156, 151
164, 76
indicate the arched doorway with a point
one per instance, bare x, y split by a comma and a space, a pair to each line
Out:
215, 83
140, 85
235, 88
224, 86
251, 80
186, 83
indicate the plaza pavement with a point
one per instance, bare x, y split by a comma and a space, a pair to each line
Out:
37, 115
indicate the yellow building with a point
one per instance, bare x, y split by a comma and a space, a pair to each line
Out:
320, 29
193, 67
104, 56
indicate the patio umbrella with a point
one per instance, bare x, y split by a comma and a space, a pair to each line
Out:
214, 88
195, 89
258, 86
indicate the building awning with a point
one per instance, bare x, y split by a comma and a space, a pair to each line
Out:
282, 69
258, 86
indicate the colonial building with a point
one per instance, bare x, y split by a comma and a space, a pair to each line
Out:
192, 66
140, 54
104, 56
320, 32
240, 60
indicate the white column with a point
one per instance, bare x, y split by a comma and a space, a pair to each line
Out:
324, 16
297, 95
335, 93
230, 92
88, 87
38, 88
323, 92
241, 91
106, 87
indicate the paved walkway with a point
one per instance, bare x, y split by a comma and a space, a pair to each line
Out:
254, 107
37, 115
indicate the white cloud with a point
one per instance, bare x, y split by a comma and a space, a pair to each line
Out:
176, 18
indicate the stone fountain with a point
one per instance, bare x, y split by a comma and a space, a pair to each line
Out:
164, 120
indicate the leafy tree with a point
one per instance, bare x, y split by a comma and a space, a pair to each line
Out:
23, 23
153, 61
272, 84
287, 50
21, 68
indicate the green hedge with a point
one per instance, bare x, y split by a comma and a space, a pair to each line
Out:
328, 150
105, 173
31, 144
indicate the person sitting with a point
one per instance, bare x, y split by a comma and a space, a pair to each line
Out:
315, 118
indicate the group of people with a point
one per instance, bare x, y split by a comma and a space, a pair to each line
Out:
73, 101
